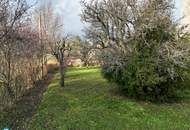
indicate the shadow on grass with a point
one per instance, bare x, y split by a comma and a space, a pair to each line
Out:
181, 96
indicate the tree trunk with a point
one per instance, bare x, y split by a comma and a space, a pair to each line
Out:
62, 73
42, 67
9, 89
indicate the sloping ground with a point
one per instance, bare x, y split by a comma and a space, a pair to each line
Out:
22, 111
88, 103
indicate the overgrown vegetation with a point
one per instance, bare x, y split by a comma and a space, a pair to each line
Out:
19, 115
142, 48
28, 32
21, 54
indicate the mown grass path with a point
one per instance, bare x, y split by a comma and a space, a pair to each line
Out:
88, 103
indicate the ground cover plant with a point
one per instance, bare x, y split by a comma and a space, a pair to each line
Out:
88, 101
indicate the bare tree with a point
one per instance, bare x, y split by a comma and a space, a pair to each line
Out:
51, 33
12, 13
43, 19
19, 50
62, 51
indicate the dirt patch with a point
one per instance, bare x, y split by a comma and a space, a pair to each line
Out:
25, 108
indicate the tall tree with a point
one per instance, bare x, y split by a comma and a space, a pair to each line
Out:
133, 35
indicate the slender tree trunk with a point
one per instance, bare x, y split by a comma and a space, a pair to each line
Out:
62, 73
42, 67
9, 89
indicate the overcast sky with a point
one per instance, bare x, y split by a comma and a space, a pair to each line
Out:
71, 10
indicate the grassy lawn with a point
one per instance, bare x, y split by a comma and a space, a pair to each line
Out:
88, 103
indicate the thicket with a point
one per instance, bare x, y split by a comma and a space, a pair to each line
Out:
143, 49
21, 51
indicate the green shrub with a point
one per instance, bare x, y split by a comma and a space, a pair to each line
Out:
141, 79
148, 73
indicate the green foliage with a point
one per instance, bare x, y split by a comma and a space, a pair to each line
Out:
143, 49
150, 71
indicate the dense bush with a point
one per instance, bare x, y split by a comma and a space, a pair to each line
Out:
149, 72
142, 78
143, 49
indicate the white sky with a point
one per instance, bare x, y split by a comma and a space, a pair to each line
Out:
71, 10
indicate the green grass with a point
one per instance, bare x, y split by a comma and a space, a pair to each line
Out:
88, 103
